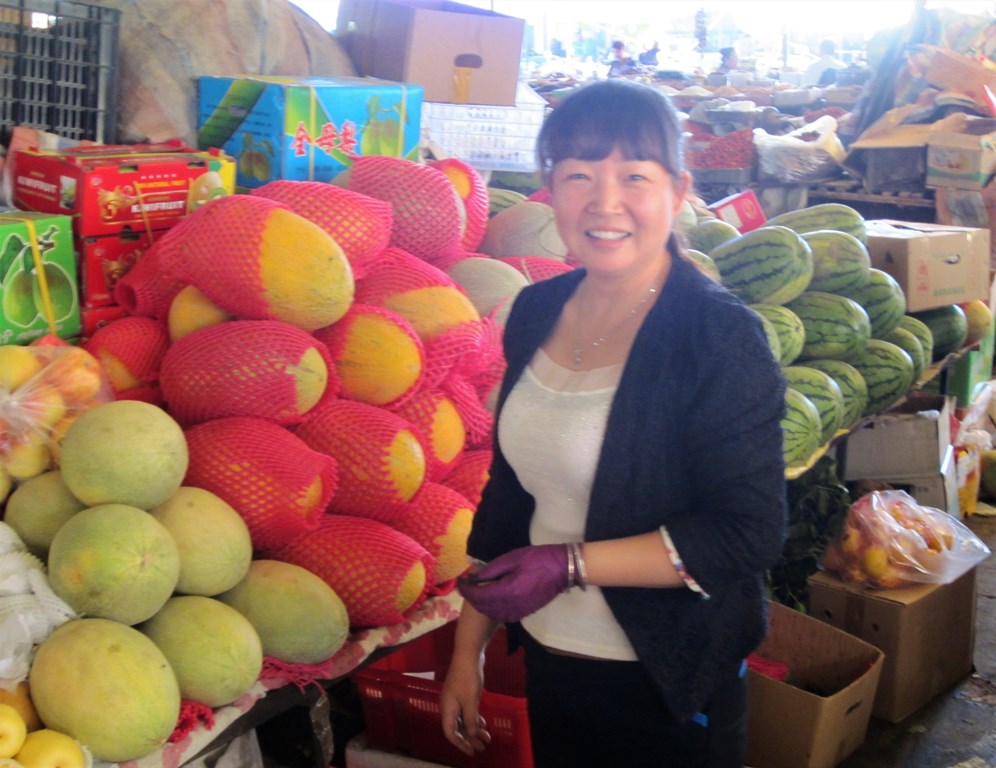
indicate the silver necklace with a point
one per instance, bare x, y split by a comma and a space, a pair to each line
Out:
580, 349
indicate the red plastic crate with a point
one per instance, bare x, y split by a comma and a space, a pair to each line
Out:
402, 711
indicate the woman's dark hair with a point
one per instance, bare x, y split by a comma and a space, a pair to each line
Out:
599, 117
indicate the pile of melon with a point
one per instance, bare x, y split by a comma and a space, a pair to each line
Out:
838, 327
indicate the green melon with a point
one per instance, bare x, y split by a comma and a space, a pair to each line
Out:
768, 265
37, 509
852, 387
213, 540
124, 452
800, 428
948, 328
823, 392
709, 233
789, 328
213, 649
909, 343
771, 334
300, 619
705, 263
840, 261
883, 299
887, 371
923, 334
106, 685
114, 562
836, 326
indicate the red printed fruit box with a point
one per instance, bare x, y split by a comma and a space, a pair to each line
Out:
742, 210
109, 189
105, 260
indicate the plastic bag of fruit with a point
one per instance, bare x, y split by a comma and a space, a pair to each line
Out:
889, 540
43, 388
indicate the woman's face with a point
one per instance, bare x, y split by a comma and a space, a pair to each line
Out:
615, 215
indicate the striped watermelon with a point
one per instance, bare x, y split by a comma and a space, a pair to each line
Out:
852, 387
788, 326
888, 372
948, 328
919, 329
774, 343
837, 216
836, 326
840, 261
768, 265
800, 428
910, 344
823, 392
884, 301
705, 263
708, 233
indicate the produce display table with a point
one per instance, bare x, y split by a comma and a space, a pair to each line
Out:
274, 693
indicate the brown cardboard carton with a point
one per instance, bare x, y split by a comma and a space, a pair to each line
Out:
936, 264
820, 714
961, 152
927, 632
457, 53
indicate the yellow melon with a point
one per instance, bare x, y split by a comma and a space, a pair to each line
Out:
191, 310
311, 377
980, 319
434, 309
405, 461
38, 509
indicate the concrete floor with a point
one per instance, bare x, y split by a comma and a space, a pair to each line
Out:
958, 728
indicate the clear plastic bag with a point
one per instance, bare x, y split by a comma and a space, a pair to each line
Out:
810, 153
43, 388
889, 540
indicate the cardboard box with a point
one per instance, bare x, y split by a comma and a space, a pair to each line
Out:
306, 128
105, 260
94, 318
927, 632
889, 157
820, 715
25, 237
936, 264
910, 439
961, 152
742, 210
938, 489
109, 189
457, 53
950, 70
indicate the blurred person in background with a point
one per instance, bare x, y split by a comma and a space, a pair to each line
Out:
823, 71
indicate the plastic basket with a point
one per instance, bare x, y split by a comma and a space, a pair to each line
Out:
402, 710
58, 62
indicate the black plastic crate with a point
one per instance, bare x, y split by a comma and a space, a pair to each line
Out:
58, 68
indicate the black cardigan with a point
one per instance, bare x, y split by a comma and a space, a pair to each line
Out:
693, 442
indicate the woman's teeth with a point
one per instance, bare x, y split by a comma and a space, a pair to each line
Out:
600, 235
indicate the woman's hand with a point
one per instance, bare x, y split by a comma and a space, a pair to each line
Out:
459, 701
519, 582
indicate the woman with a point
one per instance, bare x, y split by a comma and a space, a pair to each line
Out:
640, 415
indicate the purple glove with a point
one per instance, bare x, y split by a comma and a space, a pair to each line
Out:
519, 582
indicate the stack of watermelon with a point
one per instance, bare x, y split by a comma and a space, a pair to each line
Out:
838, 326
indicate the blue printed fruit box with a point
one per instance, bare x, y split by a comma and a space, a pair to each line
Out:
306, 128
38, 285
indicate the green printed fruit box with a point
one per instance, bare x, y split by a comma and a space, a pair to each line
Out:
306, 128
23, 313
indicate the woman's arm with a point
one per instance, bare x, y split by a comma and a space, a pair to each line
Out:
634, 561
460, 697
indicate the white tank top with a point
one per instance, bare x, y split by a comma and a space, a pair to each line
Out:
551, 431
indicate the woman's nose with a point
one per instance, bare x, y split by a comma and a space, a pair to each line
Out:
604, 196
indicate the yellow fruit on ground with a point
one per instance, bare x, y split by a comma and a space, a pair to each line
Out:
91, 679
20, 699
27, 458
38, 508
126, 452
306, 277
311, 377
191, 310
980, 319
13, 729
405, 464
46, 748
433, 310
17, 366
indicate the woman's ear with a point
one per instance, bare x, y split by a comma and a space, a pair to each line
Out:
682, 186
